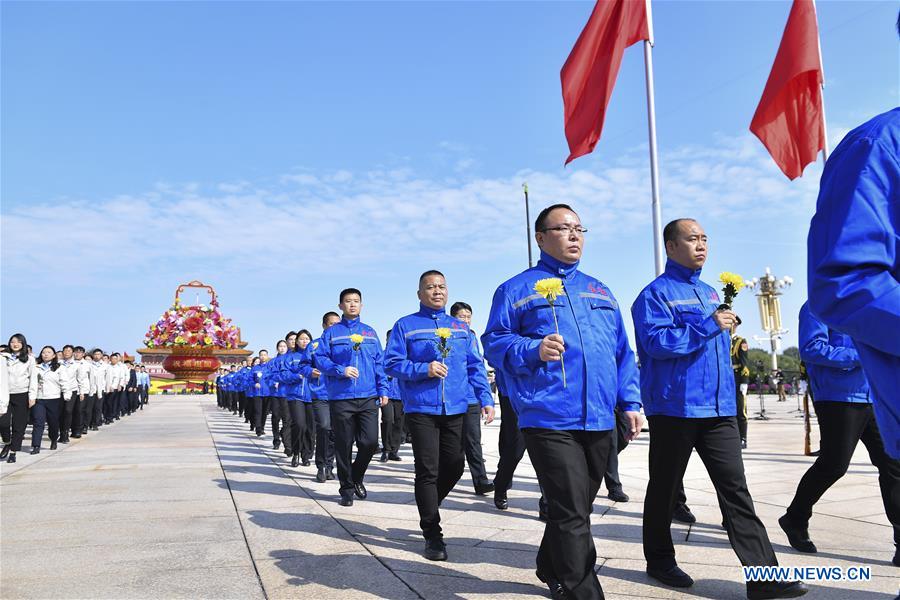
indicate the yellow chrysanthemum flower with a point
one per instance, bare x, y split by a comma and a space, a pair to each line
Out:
732, 279
356, 338
208, 341
549, 288
443, 332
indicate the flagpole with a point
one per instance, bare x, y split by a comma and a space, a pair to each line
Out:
658, 253
527, 224
825, 151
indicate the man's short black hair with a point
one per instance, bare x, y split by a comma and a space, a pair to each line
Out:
79, 348
289, 334
114, 354
349, 291
670, 231
70, 347
541, 221
97, 350
330, 313
458, 306
429, 274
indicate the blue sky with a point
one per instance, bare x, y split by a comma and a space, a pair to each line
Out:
283, 151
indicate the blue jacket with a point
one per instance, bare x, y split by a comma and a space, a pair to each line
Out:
600, 366
832, 362
394, 388
335, 352
270, 373
242, 380
258, 375
317, 384
292, 376
685, 356
853, 258
414, 345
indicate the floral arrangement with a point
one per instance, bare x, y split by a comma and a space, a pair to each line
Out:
550, 288
443, 335
201, 326
732, 284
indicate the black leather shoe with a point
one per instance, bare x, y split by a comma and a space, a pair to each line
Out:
383, 457
288, 451
743, 443
673, 576
295, 460
64, 440
5, 452
320, 476
683, 514
557, 591
776, 589
618, 496
329, 473
276, 444
501, 501
12, 457
360, 490
95, 428
798, 537
394, 456
36, 450
896, 560
346, 500
304, 462
76, 435
543, 511
435, 549
484, 488
53, 446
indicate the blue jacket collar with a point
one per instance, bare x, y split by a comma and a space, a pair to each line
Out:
349, 322
557, 267
682, 273
431, 313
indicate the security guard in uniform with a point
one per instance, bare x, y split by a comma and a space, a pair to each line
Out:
740, 364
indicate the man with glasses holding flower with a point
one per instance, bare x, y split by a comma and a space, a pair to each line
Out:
687, 384
558, 337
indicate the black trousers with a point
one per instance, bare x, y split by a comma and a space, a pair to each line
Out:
308, 435
324, 434
618, 443
392, 426
472, 444
569, 467
741, 402
97, 419
134, 400
353, 421
87, 411
297, 423
718, 443
66, 416
242, 405
110, 401
277, 408
260, 411
145, 394
437, 442
842, 425
124, 397
511, 447
45, 413
14, 421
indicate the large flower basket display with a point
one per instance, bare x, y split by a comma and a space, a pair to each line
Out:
191, 335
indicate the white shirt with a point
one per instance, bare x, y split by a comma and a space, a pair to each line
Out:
49, 382
22, 376
68, 377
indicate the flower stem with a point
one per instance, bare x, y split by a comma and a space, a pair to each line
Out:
562, 362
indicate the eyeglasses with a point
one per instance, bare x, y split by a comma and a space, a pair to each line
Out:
562, 229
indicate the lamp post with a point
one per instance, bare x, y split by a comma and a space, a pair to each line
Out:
768, 288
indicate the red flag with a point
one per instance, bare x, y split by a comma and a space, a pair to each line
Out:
590, 71
790, 119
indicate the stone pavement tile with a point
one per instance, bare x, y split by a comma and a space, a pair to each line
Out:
452, 587
454, 534
330, 575
623, 577
70, 562
25, 514
850, 509
479, 562
191, 583
296, 533
135, 531
78, 475
525, 520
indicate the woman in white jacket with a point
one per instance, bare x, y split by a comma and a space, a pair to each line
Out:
47, 409
21, 375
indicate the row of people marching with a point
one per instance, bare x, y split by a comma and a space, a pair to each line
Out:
556, 338
67, 392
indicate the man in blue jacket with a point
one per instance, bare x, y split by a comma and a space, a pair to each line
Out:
321, 410
853, 258
436, 374
844, 408
349, 355
567, 420
687, 385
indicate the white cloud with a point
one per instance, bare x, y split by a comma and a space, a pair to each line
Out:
379, 216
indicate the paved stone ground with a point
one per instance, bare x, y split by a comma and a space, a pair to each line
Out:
182, 501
